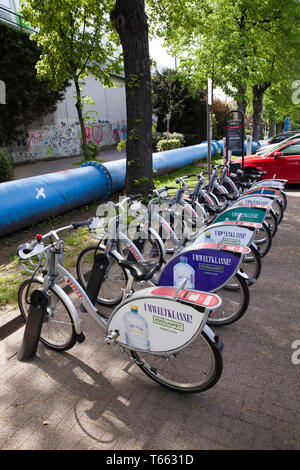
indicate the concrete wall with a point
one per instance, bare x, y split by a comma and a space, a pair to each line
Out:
58, 135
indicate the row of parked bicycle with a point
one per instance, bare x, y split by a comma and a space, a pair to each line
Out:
162, 273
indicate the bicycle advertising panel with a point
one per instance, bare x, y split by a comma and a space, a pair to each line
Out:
255, 200
203, 266
269, 184
227, 234
245, 213
264, 192
158, 323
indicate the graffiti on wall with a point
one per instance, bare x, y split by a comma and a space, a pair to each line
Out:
104, 133
62, 140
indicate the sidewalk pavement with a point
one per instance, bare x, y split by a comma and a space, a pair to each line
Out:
43, 167
91, 397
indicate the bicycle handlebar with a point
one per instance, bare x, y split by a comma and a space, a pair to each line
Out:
84, 223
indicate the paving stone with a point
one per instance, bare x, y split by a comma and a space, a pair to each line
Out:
94, 398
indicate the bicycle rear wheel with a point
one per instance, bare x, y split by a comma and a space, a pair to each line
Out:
194, 369
272, 221
263, 239
251, 266
278, 209
58, 331
235, 300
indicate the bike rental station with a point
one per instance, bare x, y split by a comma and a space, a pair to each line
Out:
163, 290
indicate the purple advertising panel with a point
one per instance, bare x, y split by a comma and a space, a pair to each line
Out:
204, 269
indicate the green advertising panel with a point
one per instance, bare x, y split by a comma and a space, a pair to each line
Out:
243, 213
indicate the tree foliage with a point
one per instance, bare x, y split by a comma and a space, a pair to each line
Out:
27, 98
240, 44
75, 39
171, 94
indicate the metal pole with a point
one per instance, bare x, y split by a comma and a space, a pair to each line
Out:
208, 105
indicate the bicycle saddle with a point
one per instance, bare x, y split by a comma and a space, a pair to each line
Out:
212, 209
142, 271
231, 197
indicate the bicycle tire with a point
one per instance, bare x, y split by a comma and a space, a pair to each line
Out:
254, 259
58, 331
272, 221
115, 279
177, 225
150, 248
186, 361
263, 244
234, 303
278, 209
283, 200
251, 266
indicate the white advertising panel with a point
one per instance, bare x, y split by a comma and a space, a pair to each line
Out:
156, 324
227, 234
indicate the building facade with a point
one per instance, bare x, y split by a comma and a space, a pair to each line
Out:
58, 134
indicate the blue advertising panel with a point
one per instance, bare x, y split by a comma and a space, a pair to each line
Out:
205, 269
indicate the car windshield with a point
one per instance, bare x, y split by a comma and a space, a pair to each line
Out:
265, 151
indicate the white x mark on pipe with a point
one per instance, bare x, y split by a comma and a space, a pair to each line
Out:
40, 192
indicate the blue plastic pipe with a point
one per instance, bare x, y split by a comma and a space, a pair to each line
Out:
163, 162
30, 200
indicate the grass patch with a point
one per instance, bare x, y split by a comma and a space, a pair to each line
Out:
9, 285
168, 179
12, 274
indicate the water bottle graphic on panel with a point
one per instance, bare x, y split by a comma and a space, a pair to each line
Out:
184, 270
136, 329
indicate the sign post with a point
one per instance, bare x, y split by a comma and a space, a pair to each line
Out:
235, 134
208, 106
249, 144
168, 118
2, 92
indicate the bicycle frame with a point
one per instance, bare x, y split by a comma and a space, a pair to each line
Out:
195, 320
114, 235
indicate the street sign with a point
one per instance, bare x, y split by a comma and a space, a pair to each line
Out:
209, 91
235, 138
235, 134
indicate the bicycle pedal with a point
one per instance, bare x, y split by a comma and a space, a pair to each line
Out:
111, 336
251, 280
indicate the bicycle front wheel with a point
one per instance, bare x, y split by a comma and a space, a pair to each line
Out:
115, 278
195, 368
58, 331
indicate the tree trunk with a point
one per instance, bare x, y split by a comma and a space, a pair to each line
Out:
272, 128
257, 101
80, 118
130, 22
279, 127
242, 102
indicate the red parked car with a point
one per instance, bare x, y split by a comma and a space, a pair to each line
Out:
282, 160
